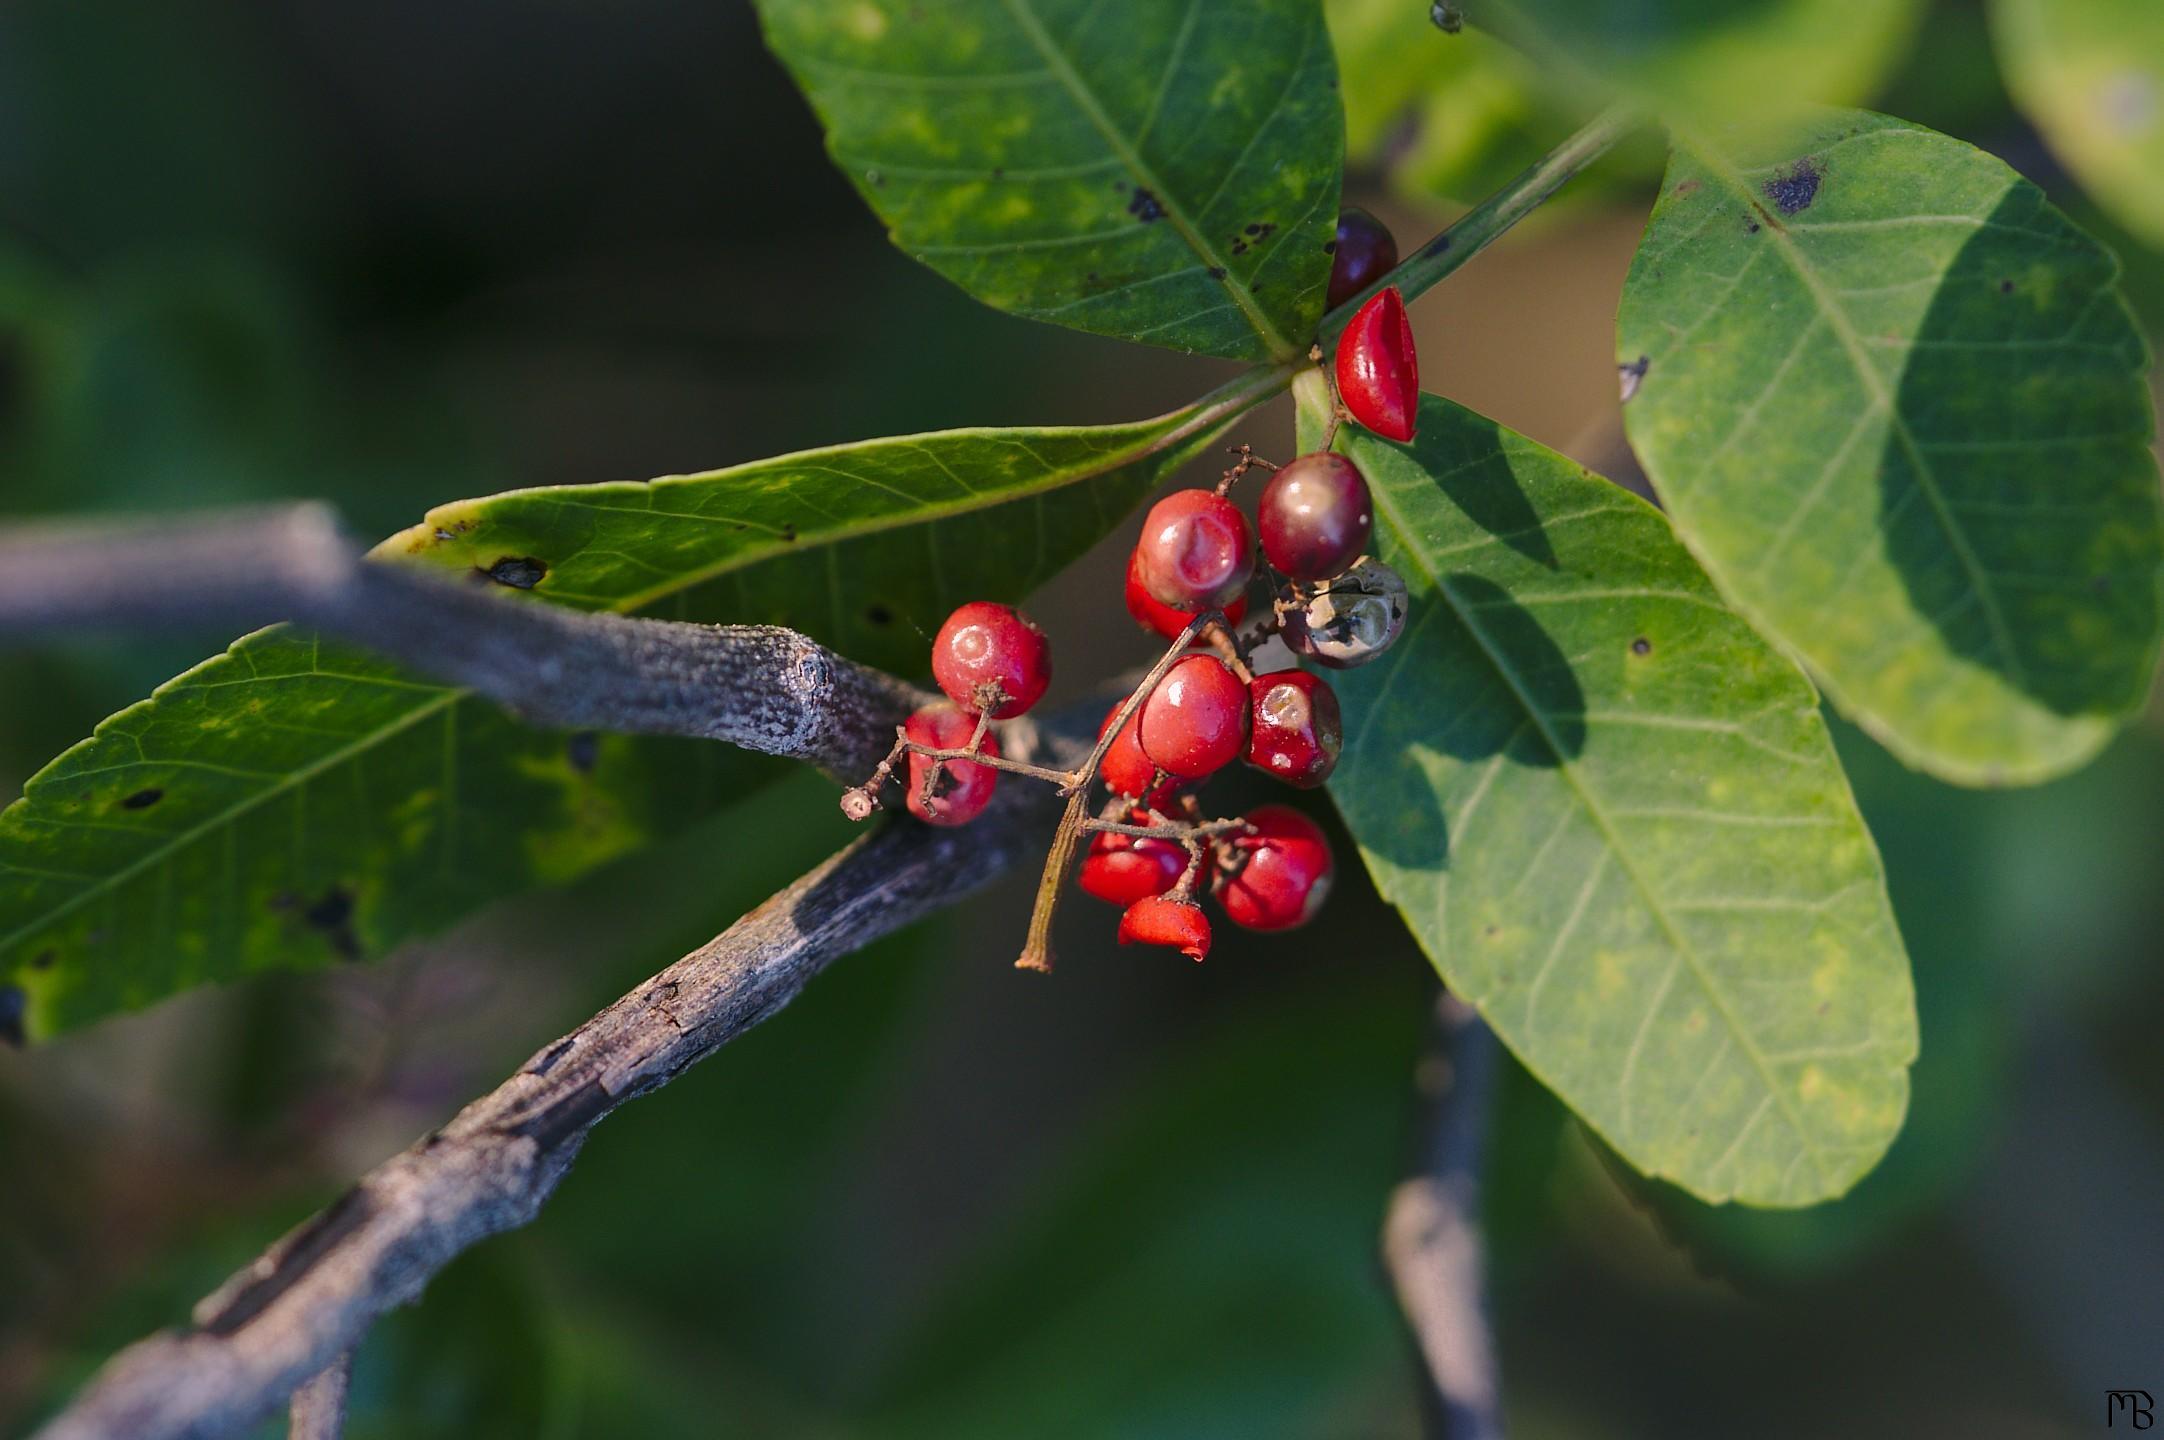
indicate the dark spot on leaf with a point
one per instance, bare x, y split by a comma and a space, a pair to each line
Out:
1239, 247
788, 533
1143, 205
1494, 930
583, 750
1264, 230
143, 799
999, 172
1329, 247
13, 1002
283, 900
1091, 279
1217, 272
1446, 17
1684, 189
1641, 646
1753, 228
520, 572
1253, 229
877, 614
878, 180
1793, 192
442, 536
44, 959
332, 916
2006, 287
1629, 377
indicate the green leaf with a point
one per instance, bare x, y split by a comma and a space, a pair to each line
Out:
1611, 814
1893, 400
293, 802
2090, 74
1159, 170
1711, 60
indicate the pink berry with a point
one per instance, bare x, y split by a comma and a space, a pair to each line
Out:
991, 659
1196, 552
1284, 874
963, 789
1195, 722
1297, 728
1163, 619
1315, 517
1176, 924
1378, 374
1121, 869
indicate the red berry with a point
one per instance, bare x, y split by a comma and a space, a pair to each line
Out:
1121, 869
991, 659
1315, 517
1126, 770
1366, 251
1378, 375
1163, 619
1196, 552
960, 794
1298, 730
1174, 923
1195, 722
1285, 873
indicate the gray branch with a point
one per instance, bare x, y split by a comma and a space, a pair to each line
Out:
309, 1299
759, 687
1431, 1233
319, 1406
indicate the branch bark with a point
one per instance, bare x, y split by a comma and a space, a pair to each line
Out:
311, 1297
1431, 1232
319, 1406
760, 687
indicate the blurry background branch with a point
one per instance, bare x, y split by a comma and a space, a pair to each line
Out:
319, 1406
1431, 1233
311, 1297
760, 687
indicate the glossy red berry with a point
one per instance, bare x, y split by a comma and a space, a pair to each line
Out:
1315, 517
1296, 730
1163, 619
1126, 770
1176, 924
1378, 375
1196, 552
1121, 869
963, 789
991, 659
1284, 871
1366, 251
1195, 722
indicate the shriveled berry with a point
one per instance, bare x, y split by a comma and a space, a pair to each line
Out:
963, 788
1163, 619
1121, 869
991, 659
1176, 924
1297, 730
1195, 722
1348, 620
1315, 516
1378, 375
1196, 552
1125, 769
1282, 874
1366, 251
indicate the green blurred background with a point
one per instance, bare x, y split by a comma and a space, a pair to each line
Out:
400, 253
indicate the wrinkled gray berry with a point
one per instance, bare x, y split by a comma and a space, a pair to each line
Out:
1348, 620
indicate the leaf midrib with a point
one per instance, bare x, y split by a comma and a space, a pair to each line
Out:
1845, 331
1086, 100
1386, 509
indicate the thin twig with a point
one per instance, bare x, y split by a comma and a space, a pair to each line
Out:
311, 1297
318, 1411
757, 686
1431, 1234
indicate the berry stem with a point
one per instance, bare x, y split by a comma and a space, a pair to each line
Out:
1058, 862
1169, 830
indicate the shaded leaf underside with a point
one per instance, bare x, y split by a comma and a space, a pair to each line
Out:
1612, 815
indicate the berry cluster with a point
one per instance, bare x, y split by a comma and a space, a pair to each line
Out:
1149, 848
